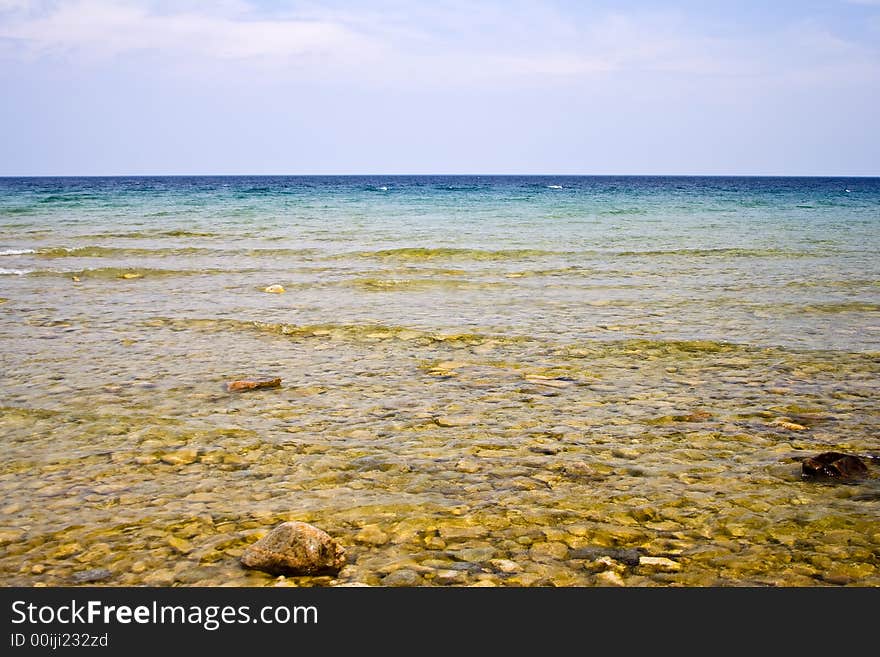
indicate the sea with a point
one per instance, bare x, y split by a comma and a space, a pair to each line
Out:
485, 380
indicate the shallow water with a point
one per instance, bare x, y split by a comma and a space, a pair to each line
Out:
485, 380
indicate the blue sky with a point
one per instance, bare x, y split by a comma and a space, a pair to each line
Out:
103, 87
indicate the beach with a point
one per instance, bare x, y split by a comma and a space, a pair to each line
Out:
485, 381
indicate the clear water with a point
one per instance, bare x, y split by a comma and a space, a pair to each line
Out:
479, 370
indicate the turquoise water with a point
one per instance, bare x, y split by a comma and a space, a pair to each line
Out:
756, 261
453, 349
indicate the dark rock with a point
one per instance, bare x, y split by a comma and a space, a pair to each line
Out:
834, 464
696, 416
295, 548
403, 577
252, 384
544, 449
630, 556
90, 576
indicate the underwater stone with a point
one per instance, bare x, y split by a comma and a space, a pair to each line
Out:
252, 384
372, 535
93, 575
659, 563
403, 577
180, 457
609, 578
295, 548
834, 464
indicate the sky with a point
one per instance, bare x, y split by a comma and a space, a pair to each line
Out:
190, 87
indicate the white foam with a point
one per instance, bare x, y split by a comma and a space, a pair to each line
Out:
554, 186
16, 252
14, 272
383, 188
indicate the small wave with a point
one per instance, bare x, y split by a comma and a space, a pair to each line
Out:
14, 272
622, 211
419, 253
554, 186
383, 188
120, 272
110, 251
416, 284
12, 252
719, 252
337, 332
840, 307
139, 234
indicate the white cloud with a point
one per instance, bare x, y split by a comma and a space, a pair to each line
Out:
15, 5
108, 28
438, 43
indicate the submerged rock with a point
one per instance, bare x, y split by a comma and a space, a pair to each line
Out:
372, 535
696, 416
609, 578
628, 556
180, 457
659, 563
90, 576
403, 577
834, 464
252, 384
295, 548
455, 420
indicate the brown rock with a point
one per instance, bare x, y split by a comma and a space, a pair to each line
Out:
252, 384
696, 416
834, 464
295, 548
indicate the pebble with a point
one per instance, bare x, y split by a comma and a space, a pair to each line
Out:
252, 384
8, 536
505, 565
609, 578
91, 576
525, 579
458, 532
450, 577
551, 549
67, 550
159, 578
180, 457
181, 545
659, 563
371, 535
473, 555
455, 420
402, 577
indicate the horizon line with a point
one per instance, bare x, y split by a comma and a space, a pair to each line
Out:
442, 175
